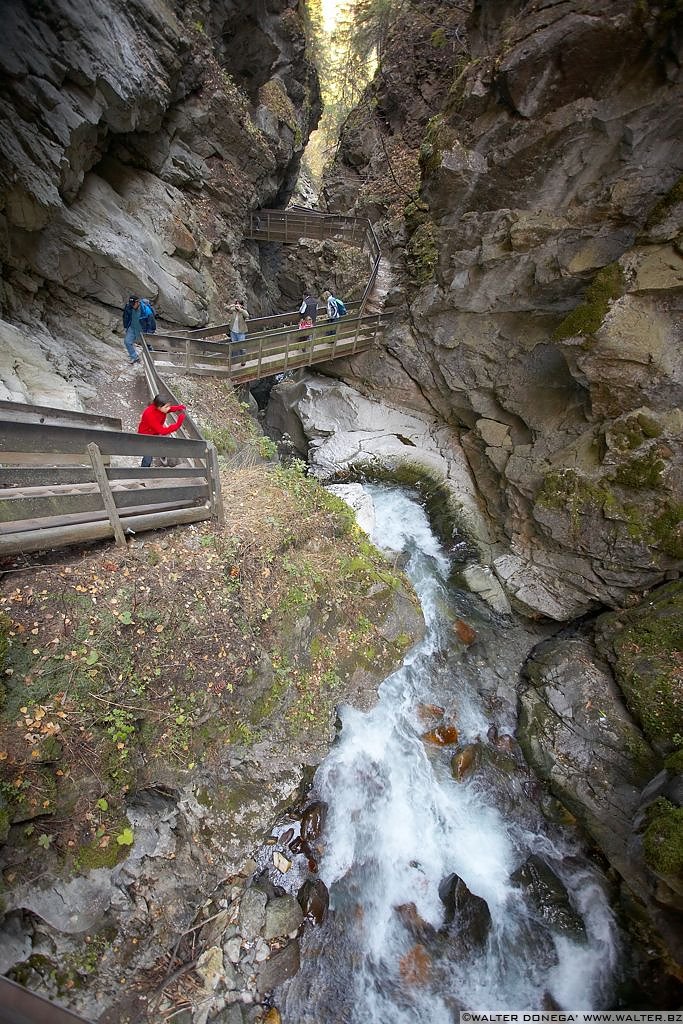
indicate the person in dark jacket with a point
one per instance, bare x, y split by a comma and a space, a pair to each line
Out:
131, 322
309, 307
153, 419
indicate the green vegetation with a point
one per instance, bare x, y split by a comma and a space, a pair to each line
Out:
641, 472
439, 136
220, 438
422, 254
663, 839
629, 432
438, 38
569, 491
607, 285
265, 446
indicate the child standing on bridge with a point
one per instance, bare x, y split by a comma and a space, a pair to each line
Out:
152, 422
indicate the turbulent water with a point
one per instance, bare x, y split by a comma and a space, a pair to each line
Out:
399, 824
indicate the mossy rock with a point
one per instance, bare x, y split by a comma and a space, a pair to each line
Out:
422, 254
644, 645
607, 285
663, 839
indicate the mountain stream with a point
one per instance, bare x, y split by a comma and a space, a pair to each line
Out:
446, 893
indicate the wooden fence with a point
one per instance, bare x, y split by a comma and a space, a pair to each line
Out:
64, 484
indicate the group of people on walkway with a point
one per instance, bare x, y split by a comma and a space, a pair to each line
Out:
137, 311
309, 309
153, 419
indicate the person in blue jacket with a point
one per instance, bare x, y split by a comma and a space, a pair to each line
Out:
131, 322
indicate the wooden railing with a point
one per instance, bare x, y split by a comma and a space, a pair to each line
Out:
275, 344
20, 1006
57, 482
58, 485
295, 223
267, 353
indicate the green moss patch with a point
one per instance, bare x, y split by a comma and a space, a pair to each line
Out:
663, 839
607, 285
647, 652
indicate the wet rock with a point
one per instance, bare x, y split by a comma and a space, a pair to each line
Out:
415, 966
314, 900
548, 896
264, 882
548, 1003
441, 736
313, 821
359, 500
469, 915
465, 760
578, 736
283, 915
464, 632
416, 925
506, 743
287, 836
427, 712
252, 913
282, 965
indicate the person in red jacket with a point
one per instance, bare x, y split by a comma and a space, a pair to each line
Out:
153, 419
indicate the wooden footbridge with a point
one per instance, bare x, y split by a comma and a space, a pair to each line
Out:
69, 477
275, 344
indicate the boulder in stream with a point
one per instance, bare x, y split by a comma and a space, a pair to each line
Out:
548, 897
314, 900
467, 915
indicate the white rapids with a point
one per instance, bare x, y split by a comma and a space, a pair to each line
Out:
398, 824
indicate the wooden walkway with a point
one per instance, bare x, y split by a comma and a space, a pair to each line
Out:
275, 344
69, 477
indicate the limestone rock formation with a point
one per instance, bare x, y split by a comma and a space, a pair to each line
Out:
134, 139
539, 266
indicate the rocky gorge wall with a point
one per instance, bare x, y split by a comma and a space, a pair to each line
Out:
522, 165
134, 139
538, 265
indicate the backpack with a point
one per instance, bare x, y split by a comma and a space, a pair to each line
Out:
341, 308
147, 319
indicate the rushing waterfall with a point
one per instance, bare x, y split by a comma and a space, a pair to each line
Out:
396, 948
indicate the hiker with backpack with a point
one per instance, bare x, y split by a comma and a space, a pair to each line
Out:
138, 318
335, 308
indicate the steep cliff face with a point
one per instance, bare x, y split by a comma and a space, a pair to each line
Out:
541, 270
134, 138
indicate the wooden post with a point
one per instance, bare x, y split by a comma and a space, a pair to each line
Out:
214, 483
107, 496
